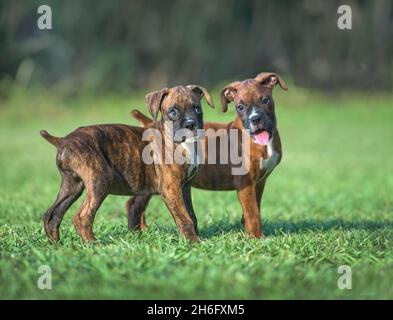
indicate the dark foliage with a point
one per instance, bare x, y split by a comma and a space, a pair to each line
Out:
118, 45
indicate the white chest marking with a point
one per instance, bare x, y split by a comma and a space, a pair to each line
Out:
269, 163
193, 158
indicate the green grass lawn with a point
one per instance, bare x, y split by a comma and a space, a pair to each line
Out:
329, 203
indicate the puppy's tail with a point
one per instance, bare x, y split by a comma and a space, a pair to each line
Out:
144, 121
51, 139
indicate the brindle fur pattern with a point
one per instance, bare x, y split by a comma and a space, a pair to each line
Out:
107, 159
251, 94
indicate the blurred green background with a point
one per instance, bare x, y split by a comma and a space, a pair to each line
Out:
328, 203
122, 45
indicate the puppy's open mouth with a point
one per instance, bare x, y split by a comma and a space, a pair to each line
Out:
261, 137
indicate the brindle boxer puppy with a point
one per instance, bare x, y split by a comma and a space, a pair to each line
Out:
255, 111
107, 159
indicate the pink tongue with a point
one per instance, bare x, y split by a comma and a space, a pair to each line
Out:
262, 138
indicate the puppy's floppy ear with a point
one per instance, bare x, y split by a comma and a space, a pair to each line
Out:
201, 92
228, 94
154, 101
270, 79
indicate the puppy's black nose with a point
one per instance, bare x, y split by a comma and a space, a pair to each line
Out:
190, 124
255, 118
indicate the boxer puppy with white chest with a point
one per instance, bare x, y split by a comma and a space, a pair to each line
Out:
255, 107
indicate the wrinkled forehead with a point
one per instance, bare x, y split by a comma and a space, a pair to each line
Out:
181, 97
250, 91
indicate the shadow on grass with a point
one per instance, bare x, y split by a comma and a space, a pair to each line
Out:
279, 227
222, 227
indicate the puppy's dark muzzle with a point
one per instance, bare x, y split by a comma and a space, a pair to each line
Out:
193, 125
258, 122
188, 130
190, 124
255, 119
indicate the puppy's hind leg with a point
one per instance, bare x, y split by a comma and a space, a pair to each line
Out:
70, 190
97, 190
135, 208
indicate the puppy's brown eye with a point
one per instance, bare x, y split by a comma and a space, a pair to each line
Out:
266, 101
197, 109
172, 112
240, 108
